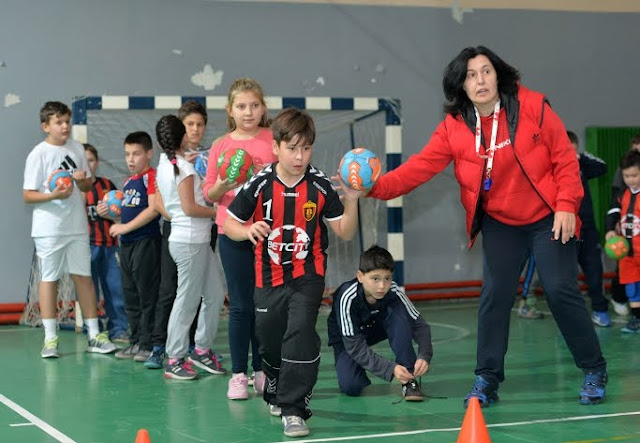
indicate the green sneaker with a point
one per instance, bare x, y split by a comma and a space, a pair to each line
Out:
50, 348
101, 344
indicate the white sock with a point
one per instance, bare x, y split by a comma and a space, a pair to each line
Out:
50, 328
92, 326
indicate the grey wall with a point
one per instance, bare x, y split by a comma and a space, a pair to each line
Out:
587, 64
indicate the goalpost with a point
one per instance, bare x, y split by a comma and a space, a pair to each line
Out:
342, 123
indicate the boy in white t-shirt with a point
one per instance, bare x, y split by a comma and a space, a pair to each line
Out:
59, 227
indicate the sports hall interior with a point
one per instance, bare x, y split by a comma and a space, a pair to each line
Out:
583, 55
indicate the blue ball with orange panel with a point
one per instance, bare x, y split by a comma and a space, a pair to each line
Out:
360, 168
59, 177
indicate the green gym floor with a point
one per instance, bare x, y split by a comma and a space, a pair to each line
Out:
84, 397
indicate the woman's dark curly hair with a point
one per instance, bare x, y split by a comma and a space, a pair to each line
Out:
456, 72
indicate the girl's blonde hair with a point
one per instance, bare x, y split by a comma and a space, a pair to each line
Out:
246, 84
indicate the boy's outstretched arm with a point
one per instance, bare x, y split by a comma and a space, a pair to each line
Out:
346, 226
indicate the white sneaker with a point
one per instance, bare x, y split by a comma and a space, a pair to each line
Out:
275, 410
294, 426
50, 348
620, 308
101, 344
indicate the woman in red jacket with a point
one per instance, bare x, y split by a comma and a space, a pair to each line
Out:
520, 186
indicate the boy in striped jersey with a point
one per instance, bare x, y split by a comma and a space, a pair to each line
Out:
283, 210
105, 270
367, 310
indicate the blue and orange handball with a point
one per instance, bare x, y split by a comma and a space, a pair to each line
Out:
359, 169
59, 177
113, 200
235, 164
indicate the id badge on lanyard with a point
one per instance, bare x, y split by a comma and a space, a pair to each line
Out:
492, 147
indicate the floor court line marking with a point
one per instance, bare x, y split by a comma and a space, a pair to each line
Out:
462, 332
620, 320
17, 329
36, 421
15, 425
496, 425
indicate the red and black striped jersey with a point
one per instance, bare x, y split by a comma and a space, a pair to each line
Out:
298, 240
98, 226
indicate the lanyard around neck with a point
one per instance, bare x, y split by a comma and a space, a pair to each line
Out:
492, 147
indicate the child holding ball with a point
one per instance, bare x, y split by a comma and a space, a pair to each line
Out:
104, 248
59, 227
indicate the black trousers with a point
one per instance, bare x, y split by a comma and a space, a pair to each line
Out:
140, 273
618, 293
590, 260
505, 249
168, 288
289, 344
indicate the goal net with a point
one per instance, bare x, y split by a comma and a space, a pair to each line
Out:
67, 310
337, 131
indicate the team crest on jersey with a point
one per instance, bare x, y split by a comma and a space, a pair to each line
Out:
299, 247
309, 210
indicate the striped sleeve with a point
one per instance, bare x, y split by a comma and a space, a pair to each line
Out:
344, 313
413, 312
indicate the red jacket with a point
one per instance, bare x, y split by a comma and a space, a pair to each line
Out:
541, 147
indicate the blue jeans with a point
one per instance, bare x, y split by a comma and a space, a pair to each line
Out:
238, 261
106, 275
505, 249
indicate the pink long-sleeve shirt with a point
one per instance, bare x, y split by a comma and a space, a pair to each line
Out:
260, 148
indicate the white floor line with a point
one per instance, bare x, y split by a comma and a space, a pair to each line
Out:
496, 425
462, 332
16, 425
17, 329
36, 421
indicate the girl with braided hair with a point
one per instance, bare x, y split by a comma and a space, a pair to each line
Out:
180, 187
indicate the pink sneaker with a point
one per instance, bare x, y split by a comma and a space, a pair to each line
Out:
238, 387
258, 382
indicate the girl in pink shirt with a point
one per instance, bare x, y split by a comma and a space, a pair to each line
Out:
248, 129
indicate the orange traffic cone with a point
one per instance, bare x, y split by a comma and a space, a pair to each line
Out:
143, 436
474, 429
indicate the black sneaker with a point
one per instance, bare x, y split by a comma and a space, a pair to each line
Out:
411, 391
129, 352
632, 326
180, 370
207, 361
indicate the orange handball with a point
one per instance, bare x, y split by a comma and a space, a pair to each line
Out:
359, 169
616, 247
